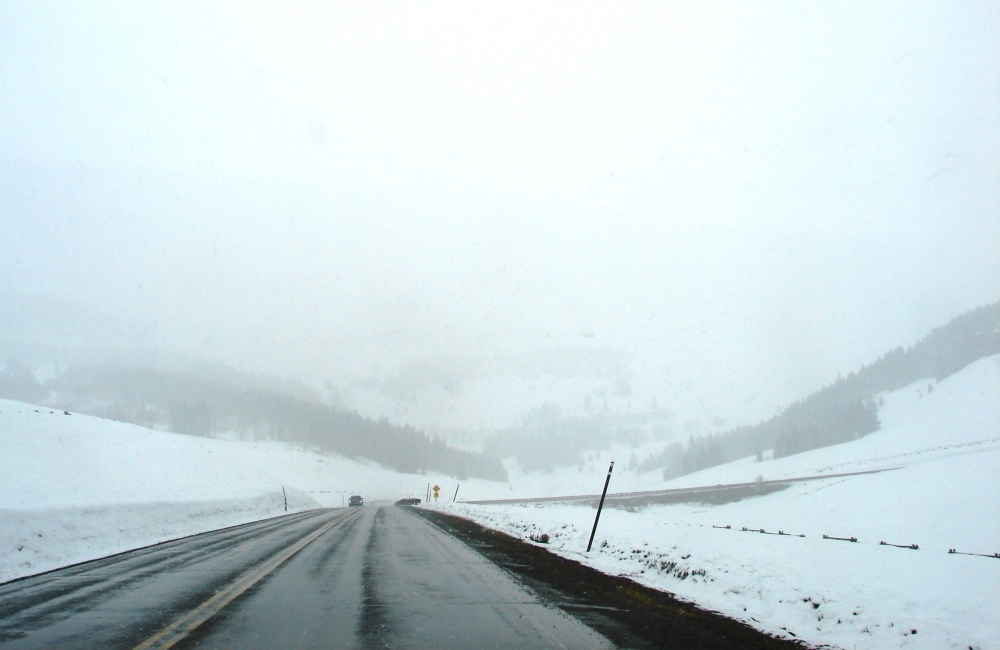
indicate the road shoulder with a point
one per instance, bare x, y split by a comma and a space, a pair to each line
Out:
629, 614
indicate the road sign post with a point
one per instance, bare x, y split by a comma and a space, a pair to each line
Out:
437, 491
599, 506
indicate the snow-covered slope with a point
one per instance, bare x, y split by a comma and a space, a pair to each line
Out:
74, 488
940, 447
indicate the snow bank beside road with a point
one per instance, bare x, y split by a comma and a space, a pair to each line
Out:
943, 439
34, 541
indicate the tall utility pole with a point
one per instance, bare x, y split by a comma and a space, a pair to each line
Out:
599, 506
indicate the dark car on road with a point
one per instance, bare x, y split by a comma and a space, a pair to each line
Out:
356, 500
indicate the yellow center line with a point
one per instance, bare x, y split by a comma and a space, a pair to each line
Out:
186, 624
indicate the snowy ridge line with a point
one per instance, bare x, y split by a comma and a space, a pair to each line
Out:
650, 494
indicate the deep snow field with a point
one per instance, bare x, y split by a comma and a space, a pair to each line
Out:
74, 488
941, 446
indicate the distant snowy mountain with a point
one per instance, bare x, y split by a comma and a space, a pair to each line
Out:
615, 415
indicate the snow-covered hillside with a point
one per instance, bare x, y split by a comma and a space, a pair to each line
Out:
75, 488
940, 447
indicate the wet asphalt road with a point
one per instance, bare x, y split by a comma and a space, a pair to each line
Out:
370, 577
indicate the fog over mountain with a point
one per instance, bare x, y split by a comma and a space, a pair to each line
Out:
454, 216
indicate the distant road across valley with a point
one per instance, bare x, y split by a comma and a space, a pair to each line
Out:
714, 494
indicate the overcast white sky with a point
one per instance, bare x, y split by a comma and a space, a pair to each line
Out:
745, 194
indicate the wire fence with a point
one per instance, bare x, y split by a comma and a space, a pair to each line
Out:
849, 538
